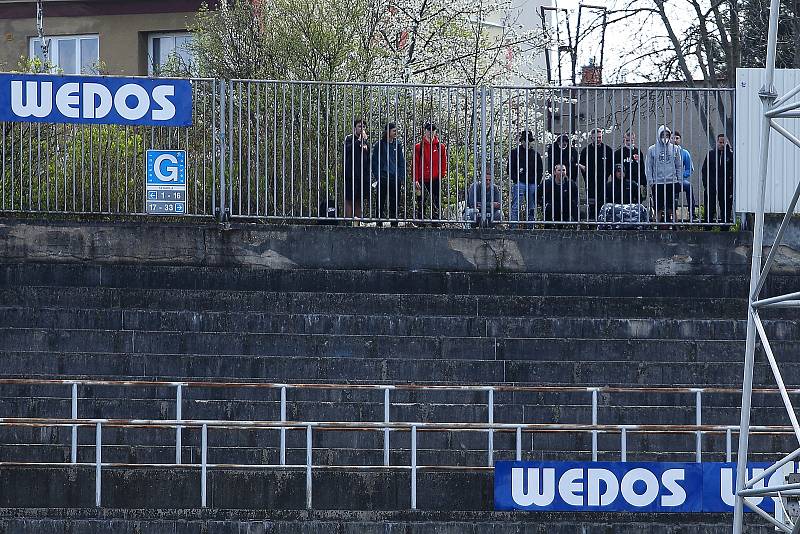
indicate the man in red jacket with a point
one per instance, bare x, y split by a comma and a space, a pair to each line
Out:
430, 166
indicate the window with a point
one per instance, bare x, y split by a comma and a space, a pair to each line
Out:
70, 54
169, 49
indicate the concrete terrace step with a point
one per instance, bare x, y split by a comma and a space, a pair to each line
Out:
399, 325
381, 281
377, 304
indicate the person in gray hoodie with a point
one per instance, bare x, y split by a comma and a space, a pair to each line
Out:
664, 170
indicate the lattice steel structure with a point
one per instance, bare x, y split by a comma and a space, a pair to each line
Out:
775, 107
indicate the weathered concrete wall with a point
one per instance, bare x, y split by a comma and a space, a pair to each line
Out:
300, 247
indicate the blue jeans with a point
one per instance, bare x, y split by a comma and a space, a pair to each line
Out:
526, 191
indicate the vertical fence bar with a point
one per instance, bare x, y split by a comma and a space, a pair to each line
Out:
594, 422
414, 467
519, 444
623, 445
386, 430
728, 447
178, 417
98, 462
698, 422
308, 467
483, 169
283, 429
490, 445
203, 465
222, 162
74, 451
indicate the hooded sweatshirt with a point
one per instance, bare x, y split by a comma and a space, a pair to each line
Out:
664, 164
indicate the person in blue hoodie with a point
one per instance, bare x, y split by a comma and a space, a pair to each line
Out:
688, 169
664, 170
389, 168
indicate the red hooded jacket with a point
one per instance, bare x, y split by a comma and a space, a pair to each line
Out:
430, 160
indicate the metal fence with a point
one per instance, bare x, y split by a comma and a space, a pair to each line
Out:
463, 155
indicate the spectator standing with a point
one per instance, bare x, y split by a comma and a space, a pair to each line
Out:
597, 160
688, 170
559, 196
664, 169
525, 169
630, 157
561, 152
430, 167
389, 168
475, 198
717, 174
356, 169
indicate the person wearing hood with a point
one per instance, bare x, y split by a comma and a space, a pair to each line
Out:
430, 167
598, 162
561, 152
525, 168
717, 174
632, 161
389, 168
664, 170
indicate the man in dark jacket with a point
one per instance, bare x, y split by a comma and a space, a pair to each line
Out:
475, 201
356, 169
561, 152
389, 167
632, 161
598, 161
525, 169
559, 196
717, 175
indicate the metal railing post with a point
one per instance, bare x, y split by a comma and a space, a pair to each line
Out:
222, 145
490, 445
308, 467
594, 422
623, 445
74, 448
98, 462
484, 169
178, 417
728, 445
283, 429
386, 404
414, 467
698, 422
203, 465
519, 444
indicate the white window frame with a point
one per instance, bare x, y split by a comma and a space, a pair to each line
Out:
54, 44
160, 35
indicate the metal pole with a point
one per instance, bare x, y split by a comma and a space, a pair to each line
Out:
178, 417
98, 462
728, 445
203, 465
519, 444
490, 445
74, 451
698, 439
414, 467
283, 429
386, 430
222, 142
767, 95
623, 445
483, 170
308, 467
594, 422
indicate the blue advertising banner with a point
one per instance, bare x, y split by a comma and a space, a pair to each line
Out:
623, 486
95, 100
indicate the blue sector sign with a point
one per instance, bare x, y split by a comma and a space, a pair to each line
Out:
623, 486
95, 100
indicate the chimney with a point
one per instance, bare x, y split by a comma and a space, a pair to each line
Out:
591, 74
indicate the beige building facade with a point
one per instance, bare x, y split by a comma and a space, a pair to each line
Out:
126, 37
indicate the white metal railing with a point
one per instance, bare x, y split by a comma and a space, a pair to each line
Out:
309, 427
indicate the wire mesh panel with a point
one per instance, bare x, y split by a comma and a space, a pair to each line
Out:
100, 168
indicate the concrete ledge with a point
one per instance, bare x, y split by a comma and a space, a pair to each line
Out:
314, 247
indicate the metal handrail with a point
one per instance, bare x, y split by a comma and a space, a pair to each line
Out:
310, 426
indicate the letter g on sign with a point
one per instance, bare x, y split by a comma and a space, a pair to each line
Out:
165, 168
